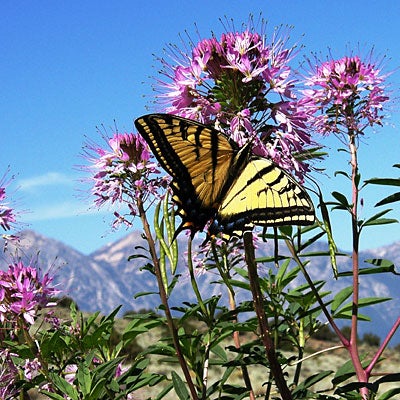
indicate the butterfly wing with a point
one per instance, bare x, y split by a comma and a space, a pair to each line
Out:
198, 158
263, 194
213, 180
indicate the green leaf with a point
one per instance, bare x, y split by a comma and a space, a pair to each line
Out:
380, 221
389, 378
341, 199
51, 395
312, 380
179, 386
342, 296
389, 199
140, 294
377, 215
345, 372
220, 352
383, 266
63, 386
389, 394
380, 262
84, 378
356, 386
328, 230
346, 311
384, 181
342, 173
98, 389
348, 315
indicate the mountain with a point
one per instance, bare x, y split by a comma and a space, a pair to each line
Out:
105, 279
76, 274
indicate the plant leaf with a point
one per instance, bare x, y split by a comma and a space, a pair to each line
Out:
342, 296
389, 199
384, 181
179, 386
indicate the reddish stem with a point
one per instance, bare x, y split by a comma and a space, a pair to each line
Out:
353, 346
164, 300
382, 347
274, 365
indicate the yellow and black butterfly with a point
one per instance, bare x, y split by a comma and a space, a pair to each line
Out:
213, 180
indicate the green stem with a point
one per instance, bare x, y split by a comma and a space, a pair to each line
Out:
206, 314
299, 365
193, 281
328, 316
164, 300
225, 275
258, 301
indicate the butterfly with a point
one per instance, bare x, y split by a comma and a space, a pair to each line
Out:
217, 183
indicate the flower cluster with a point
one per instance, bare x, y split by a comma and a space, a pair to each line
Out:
122, 173
230, 251
23, 292
345, 94
9, 374
245, 87
7, 214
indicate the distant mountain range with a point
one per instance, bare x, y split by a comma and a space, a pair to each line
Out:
105, 279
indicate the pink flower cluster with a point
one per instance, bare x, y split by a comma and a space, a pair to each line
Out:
23, 292
122, 173
346, 94
7, 214
244, 86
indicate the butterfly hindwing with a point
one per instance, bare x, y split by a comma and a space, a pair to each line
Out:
263, 194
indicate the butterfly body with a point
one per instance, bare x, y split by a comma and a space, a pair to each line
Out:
213, 180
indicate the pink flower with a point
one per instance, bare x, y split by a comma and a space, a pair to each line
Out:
8, 375
122, 174
345, 94
244, 85
7, 213
31, 369
23, 292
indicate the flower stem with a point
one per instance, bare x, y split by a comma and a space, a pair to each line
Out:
382, 347
226, 277
275, 367
194, 283
328, 316
164, 300
353, 346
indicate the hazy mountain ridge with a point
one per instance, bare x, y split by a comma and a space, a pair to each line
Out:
105, 279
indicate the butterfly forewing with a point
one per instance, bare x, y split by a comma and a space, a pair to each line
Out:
197, 157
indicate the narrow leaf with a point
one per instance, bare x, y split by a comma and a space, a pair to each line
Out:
389, 394
384, 181
342, 173
389, 199
51, 395
179, 386
380, 221
341, 199
328, 230
63, 386
342, 296
312, 380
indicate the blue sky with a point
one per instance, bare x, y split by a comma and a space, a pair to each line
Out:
69, 66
